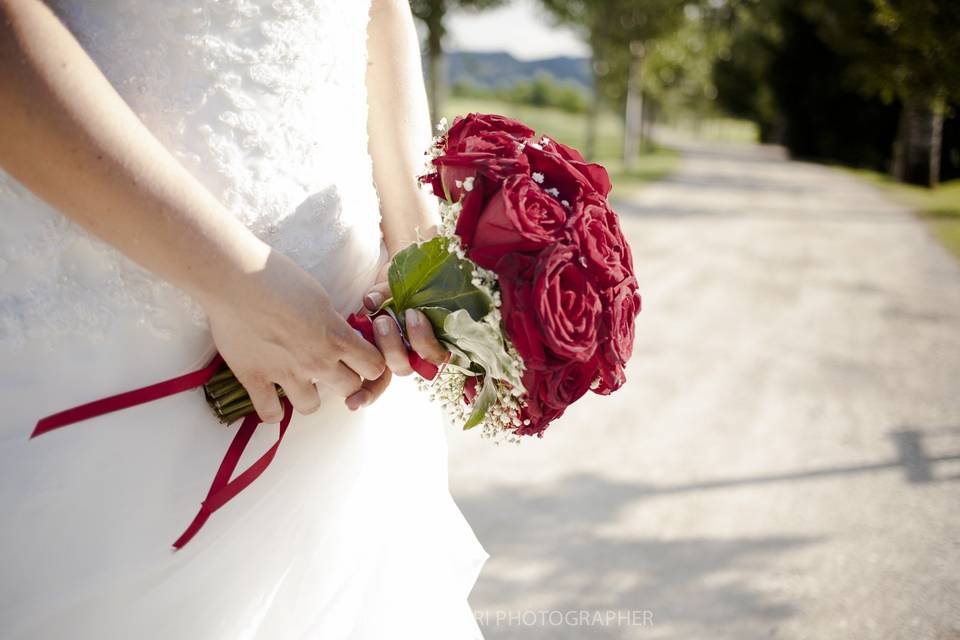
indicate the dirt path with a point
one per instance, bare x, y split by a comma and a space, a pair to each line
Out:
785, 459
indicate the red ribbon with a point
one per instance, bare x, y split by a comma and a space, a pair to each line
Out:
223, 489
129, 399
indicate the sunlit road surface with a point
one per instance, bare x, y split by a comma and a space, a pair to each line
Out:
784, 461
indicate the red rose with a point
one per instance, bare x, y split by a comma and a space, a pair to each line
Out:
621, 305
477, 143
498, 143
481, 124
567, 304
593, 172
550, 309
454, 170
538, 419
536, 414
570, 178
560, 386
611, 378
519, 217
472, 205
516, 273
490, 144
565, 152
550, 392
601, 240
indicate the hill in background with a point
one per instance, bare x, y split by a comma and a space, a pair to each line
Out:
500, 70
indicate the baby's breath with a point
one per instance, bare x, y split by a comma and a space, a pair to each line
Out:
504, 415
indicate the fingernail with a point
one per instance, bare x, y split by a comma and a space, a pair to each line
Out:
383, 325
413, 318
357, 400
373, 300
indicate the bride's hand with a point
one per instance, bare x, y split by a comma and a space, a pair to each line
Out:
277, 325
387, 333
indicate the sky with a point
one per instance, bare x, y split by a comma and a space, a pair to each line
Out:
521, 28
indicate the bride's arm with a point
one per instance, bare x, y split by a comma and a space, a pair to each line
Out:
399, 124
399, 128
70, 138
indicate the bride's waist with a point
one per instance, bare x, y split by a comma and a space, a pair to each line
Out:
61, 286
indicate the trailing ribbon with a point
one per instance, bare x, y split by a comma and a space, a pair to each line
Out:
129, 399
223, 489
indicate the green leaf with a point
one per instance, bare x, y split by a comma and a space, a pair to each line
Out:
436, 316
482, 343
481, 403
460, 360
428, 275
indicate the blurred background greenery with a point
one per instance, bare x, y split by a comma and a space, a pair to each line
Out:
873, 85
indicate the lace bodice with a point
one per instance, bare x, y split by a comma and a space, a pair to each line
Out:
263, 100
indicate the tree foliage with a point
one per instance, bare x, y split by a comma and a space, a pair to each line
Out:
899, 49
433, 15
616, 31
845, 79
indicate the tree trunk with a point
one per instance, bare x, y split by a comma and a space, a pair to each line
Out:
633, 112
916, 156
593, 115
936, 146
436, 82
598, 68
646, 124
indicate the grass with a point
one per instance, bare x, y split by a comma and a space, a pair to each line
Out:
939, 208
570, 128
718, 129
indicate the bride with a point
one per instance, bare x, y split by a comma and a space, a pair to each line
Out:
184, 177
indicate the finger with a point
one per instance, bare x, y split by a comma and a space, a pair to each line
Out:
421, 337
372, 389
303, 395
378, 386
265, 400
387, 334
341, 379
362, 357
375, 297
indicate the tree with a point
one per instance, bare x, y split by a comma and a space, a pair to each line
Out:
619, 33
741, 71
433, 14
678, 69
903, 50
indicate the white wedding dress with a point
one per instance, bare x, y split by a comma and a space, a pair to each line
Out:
351, 532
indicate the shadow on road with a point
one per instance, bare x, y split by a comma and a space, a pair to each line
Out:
550, 554
911, 457
557, 548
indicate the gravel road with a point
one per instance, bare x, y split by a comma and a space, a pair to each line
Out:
784, 461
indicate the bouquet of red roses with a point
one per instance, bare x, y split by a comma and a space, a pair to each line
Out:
529, 283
